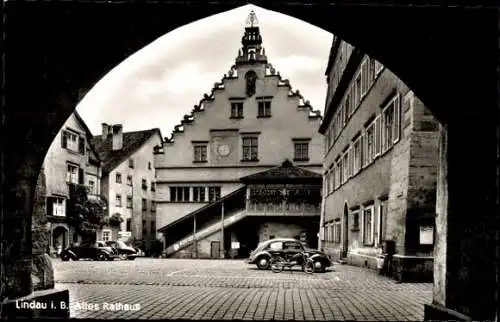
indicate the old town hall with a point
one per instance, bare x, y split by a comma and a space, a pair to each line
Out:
244, 166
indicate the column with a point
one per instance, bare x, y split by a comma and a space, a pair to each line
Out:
191, 194
247, 202
222, 231
465, 281
16, 228
42, 269
206, 194
195, 243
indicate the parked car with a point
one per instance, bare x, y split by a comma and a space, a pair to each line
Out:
95, 251
286, 248
124, 251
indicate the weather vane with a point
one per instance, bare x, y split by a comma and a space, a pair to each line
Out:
252, 19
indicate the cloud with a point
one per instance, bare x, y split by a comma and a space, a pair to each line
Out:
294, 64
160, 83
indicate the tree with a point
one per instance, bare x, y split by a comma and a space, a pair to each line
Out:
85, 215
115, 220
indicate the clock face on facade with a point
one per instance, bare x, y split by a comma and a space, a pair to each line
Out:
223, 150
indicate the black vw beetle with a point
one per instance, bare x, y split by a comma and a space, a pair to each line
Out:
124, 251
286, 248
95, 251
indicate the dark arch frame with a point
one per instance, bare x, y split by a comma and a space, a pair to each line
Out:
455, 75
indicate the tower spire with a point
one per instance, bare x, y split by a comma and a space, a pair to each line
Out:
252, 19
251, 51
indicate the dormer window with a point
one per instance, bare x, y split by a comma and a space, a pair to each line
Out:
73, 141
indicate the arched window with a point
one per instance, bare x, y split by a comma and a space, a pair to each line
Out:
251, 78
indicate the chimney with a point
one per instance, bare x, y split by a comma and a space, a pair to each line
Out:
117, 131
105, 130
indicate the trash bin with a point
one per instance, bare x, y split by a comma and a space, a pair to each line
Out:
380, 261
389, 247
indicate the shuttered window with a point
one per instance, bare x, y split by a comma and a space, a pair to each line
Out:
378, 135
397, 119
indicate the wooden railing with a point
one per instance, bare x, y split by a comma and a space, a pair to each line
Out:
283, 208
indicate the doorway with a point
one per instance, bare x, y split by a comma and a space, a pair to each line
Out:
345, 239
215, 249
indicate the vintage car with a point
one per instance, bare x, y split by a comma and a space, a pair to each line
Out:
124, 251
286, 248
96, 251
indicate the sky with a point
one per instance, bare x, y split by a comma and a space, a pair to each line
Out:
157, 85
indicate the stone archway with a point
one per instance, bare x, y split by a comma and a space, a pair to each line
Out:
456, 80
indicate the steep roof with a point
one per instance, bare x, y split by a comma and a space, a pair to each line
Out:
88, 134
285, 172
132, 141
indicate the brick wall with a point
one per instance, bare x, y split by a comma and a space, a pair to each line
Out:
422, 177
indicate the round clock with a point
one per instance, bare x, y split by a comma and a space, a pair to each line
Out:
223, 150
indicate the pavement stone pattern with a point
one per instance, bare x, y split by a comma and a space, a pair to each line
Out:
233, 290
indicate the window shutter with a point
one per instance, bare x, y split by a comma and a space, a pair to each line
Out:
378, 136
361, 151
81, 145
64, 140
80, 176
397, 119
382, 133
364, 82
364, 150
332, 181
350, 159
50, 206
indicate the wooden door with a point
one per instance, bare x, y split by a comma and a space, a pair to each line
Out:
215, 249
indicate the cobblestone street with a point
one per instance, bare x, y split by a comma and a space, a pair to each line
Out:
226, 289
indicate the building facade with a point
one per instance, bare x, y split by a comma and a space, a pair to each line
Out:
128, 180
252, 122
70, 160
380, 168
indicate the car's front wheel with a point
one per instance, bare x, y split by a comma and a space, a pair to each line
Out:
263, 262
319, 266
102, 257
65, 257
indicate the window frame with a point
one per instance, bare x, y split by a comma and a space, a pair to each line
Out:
217, 193
253, 149
178, 189
200, 152
110, 236
299, 154
69, 175
371, 240
199, 194
236, 110
118, 200
264, 108
337, 230
131, 204
118, 177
